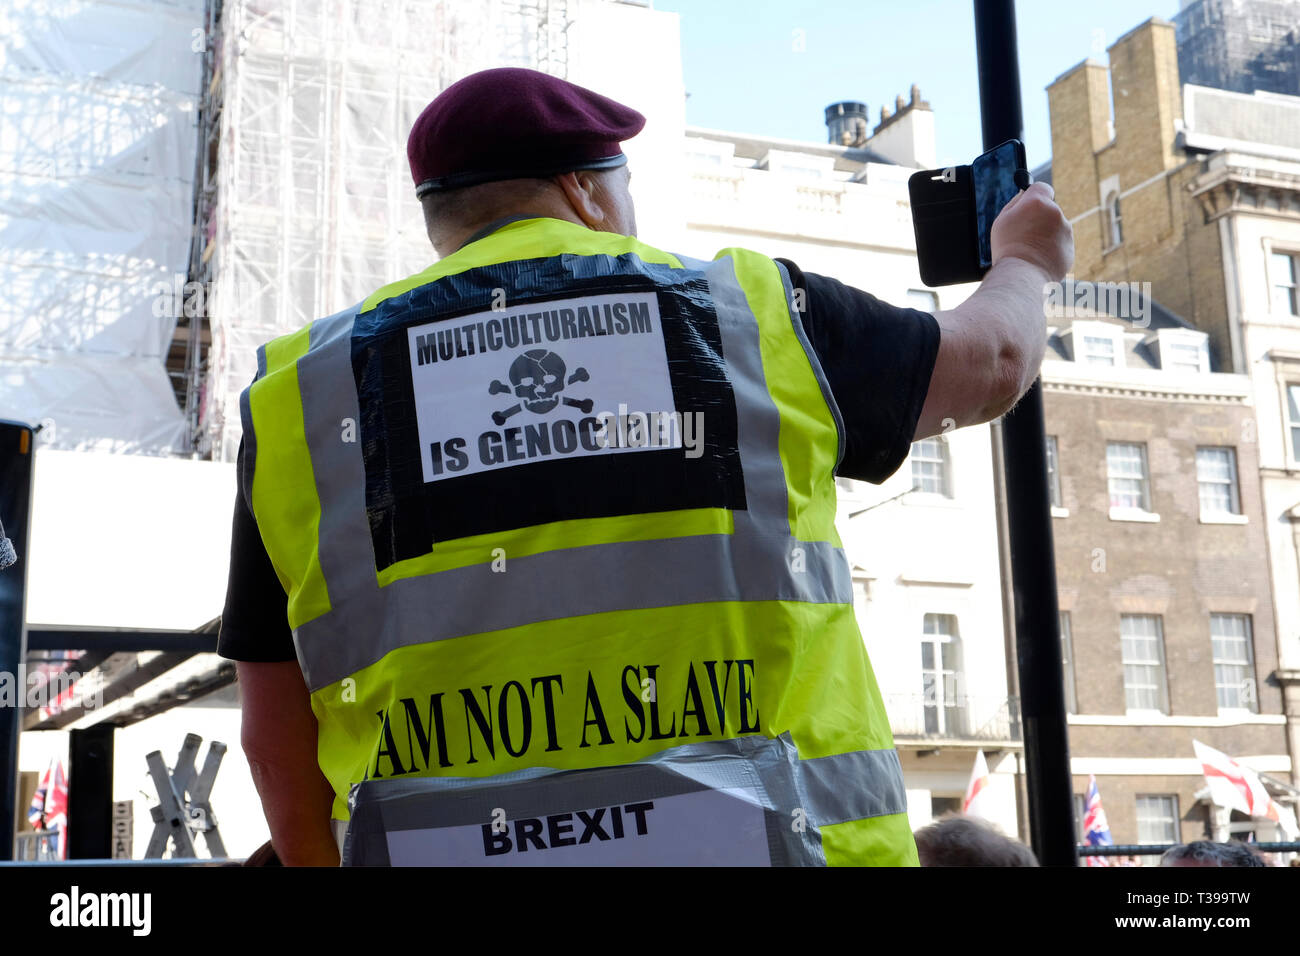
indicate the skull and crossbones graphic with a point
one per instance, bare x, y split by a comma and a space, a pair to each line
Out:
537, 377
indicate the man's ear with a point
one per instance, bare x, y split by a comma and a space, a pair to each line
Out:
580, 189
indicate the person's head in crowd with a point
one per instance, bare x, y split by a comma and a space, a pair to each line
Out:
955, 840
1206, 853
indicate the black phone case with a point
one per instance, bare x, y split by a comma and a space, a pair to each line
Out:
943, 217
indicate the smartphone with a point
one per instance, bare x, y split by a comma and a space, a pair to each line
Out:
953, 211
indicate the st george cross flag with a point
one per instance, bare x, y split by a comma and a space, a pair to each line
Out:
1239, 788
1096, 831
976, 801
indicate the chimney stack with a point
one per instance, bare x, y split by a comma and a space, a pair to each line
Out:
846, 123
906, 136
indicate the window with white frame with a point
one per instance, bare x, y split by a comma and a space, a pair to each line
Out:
930, 467
1114, 223
1126, 476
1067, 664
1157, 818
1234, 669
1143, 648
1183, 356
1293, 417
941, 675
1216, 476
1098, 350
1283, 272
1053, 472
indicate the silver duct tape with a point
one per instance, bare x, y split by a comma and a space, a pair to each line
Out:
760, 774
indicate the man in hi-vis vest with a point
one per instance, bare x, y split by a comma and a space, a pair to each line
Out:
534, 555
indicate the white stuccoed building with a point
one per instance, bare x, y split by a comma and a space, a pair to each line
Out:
925, 562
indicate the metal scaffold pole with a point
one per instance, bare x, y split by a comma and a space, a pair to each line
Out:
1032, 556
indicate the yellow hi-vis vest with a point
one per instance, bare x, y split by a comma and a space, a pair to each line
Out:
565, 500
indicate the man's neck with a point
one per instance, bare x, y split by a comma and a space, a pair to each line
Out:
484, 231
496, 224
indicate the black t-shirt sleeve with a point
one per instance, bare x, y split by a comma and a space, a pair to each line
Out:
878, 359
255, 622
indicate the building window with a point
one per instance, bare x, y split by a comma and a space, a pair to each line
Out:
1080, 806
1098, 350
1053, 472
930, 467
922, 299
1283, 273
1067, 664
1181, 355
939, 806
941, 675
1114, 220
1157, 816
1143, 649
1126, 476
1293, 418
1216, 475
1234, 671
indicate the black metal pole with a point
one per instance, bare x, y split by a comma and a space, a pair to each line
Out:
90, 793
1033, 562
17, 452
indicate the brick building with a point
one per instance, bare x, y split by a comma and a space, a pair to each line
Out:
1196, 192
1162, 568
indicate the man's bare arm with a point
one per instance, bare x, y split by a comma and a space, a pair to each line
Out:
991, 346
279, 740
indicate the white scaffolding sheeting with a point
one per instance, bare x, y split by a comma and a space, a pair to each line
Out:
314, 207
97, 149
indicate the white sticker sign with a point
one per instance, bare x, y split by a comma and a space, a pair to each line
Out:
565, 378
707, 828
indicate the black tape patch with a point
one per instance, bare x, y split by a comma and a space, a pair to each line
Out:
532, 459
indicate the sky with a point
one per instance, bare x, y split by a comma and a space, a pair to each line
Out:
771, 67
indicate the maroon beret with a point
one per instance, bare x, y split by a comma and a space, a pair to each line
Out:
512, 123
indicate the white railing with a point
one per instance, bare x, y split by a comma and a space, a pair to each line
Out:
914, 716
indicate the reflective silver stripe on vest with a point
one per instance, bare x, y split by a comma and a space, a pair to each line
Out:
670, 572
824, 791
753, 564
329, 402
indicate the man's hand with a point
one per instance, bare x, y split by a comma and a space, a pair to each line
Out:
1032, 228
991, 346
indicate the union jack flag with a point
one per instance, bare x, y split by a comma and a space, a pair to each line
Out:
36, 812
1096, 831
49, 807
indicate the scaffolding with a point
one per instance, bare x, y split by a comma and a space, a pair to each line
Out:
1240, 45
96, 162
305, 203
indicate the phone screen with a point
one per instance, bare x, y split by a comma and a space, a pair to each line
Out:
994, 176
